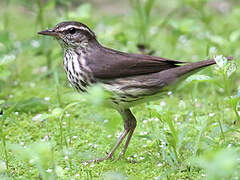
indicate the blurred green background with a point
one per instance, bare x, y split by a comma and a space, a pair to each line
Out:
47, 130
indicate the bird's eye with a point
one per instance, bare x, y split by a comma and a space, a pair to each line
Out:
72, 30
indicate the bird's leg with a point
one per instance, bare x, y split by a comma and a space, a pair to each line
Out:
130, 124
129, 127
110, 154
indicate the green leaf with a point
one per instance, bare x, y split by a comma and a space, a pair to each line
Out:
83, 12
198, 78
32, 105
235, 35
148, 7
218, 164
4, 73
97, 95
230, 69
6, 59
49, 5
114, 176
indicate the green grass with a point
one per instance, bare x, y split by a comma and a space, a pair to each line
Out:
49, 130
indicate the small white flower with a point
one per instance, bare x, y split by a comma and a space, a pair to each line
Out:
31, 161
35, 43
92, 165
143, 133
3, 165
16, 113
183, 40
46, 138
37, 117
176, 117
221, 61
22, 143
109, 136
141, 158
32, 84
105, 121
213, 50
16, 82
162, 146
156, 119
118, 134
159, 164
229, 145
135, 155
47, 98
163, 103
203, 175
64, 123
169, 93
65, 157
154, 30
67, 115
182, 104
75, 137
179, 123
7, 58
95, 146
49, 170
145, 121
150, 119
85, 163
11, 96
211, 114
77, 175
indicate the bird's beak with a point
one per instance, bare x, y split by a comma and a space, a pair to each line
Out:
49, 32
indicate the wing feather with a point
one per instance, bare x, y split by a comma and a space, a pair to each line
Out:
107, 63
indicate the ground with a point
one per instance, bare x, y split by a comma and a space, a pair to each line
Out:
48, 130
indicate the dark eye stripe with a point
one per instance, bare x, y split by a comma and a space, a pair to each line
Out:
84, 29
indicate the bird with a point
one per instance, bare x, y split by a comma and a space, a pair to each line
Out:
131, 78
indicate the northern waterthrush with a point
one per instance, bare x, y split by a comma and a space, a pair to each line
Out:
132, 78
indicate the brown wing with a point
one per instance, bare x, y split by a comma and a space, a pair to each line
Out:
107, 63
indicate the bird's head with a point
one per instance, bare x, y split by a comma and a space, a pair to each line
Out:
71, 34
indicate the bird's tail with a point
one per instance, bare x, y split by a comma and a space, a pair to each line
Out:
197, 65
175, 74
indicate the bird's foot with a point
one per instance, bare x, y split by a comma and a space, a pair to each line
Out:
109, 156
95, 160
